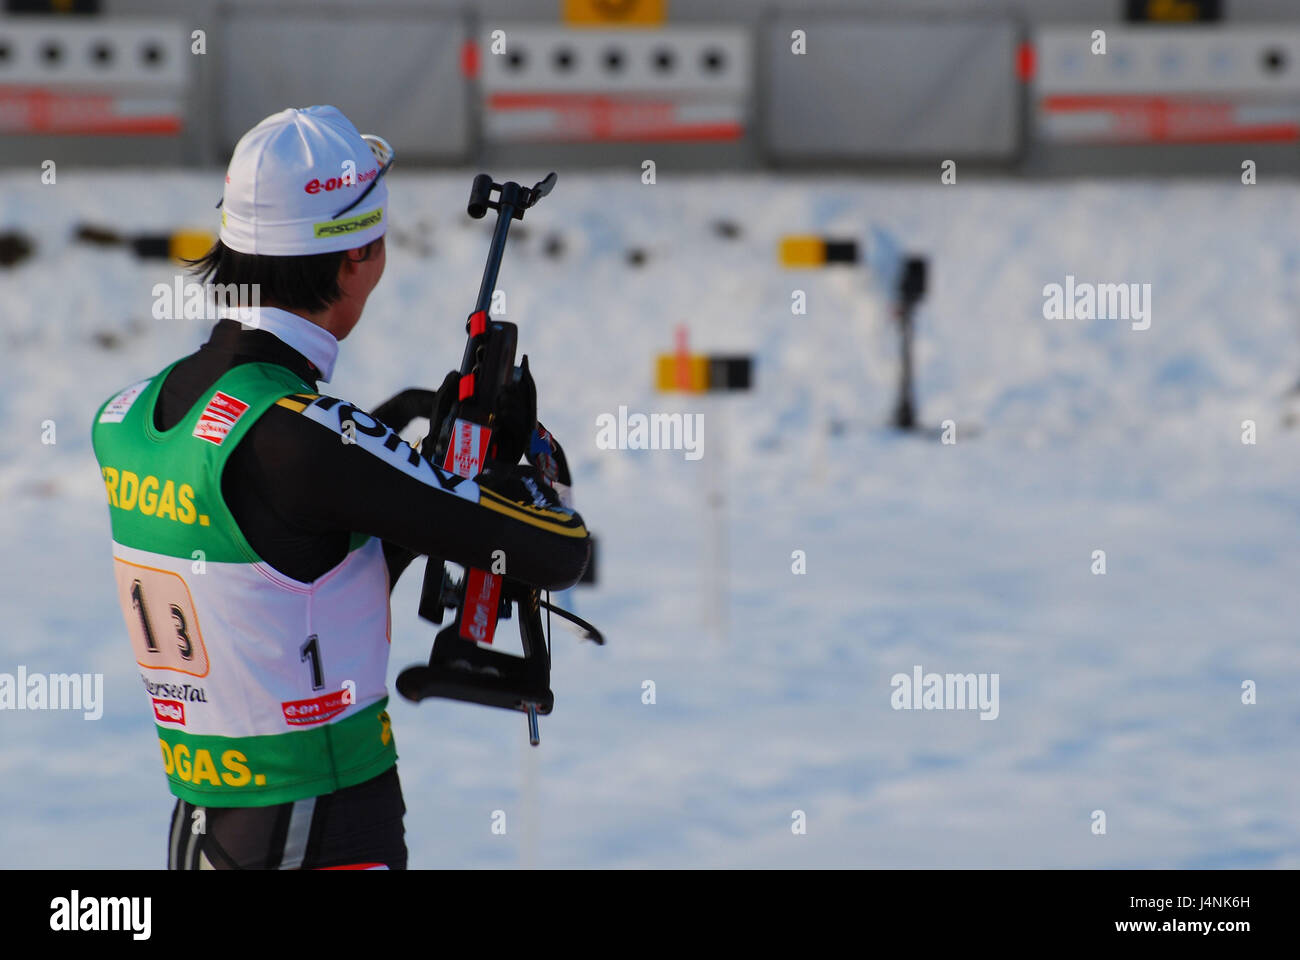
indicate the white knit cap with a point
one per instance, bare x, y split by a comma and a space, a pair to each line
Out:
288, 179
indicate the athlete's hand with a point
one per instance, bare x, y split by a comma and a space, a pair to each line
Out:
515, 430
515, 418
522, 484
443, 400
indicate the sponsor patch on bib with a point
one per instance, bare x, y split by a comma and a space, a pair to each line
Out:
169, 711
119, 405
317, 710
221, 413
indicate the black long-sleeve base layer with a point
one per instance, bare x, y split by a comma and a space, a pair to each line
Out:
298, 491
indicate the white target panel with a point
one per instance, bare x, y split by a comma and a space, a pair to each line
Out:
556, 83
92, 76
1168, 85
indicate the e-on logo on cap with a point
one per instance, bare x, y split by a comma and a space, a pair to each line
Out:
316, 184
332, 228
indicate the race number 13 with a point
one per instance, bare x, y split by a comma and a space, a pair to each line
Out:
160, 617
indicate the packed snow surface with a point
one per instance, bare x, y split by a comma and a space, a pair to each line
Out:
1120, 693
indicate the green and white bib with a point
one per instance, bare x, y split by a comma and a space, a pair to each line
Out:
264, 689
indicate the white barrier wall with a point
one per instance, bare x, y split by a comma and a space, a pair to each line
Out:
891, 90
1010, 82
395, 75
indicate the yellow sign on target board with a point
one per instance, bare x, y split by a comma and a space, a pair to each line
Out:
615, 13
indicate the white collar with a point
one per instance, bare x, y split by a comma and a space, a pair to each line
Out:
314, 342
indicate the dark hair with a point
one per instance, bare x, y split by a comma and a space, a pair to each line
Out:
306, 283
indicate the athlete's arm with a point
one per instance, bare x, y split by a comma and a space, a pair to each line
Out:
337, 469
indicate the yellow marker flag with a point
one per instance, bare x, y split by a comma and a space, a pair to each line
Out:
667, 373
802, 250
615, 13
189, 244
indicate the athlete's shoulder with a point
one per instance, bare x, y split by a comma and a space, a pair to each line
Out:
114, 410
116, 407
265, 378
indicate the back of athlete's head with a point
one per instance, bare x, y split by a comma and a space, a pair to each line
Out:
302, 190
298, 284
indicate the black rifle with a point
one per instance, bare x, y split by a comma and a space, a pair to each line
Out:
459, 667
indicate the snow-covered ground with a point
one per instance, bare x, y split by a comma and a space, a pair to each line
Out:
1120, 693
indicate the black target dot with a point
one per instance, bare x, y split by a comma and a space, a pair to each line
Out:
1274, 60
515, 59
564, 59
713, 60
52, 52
152, 54
101, 53
614, 60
